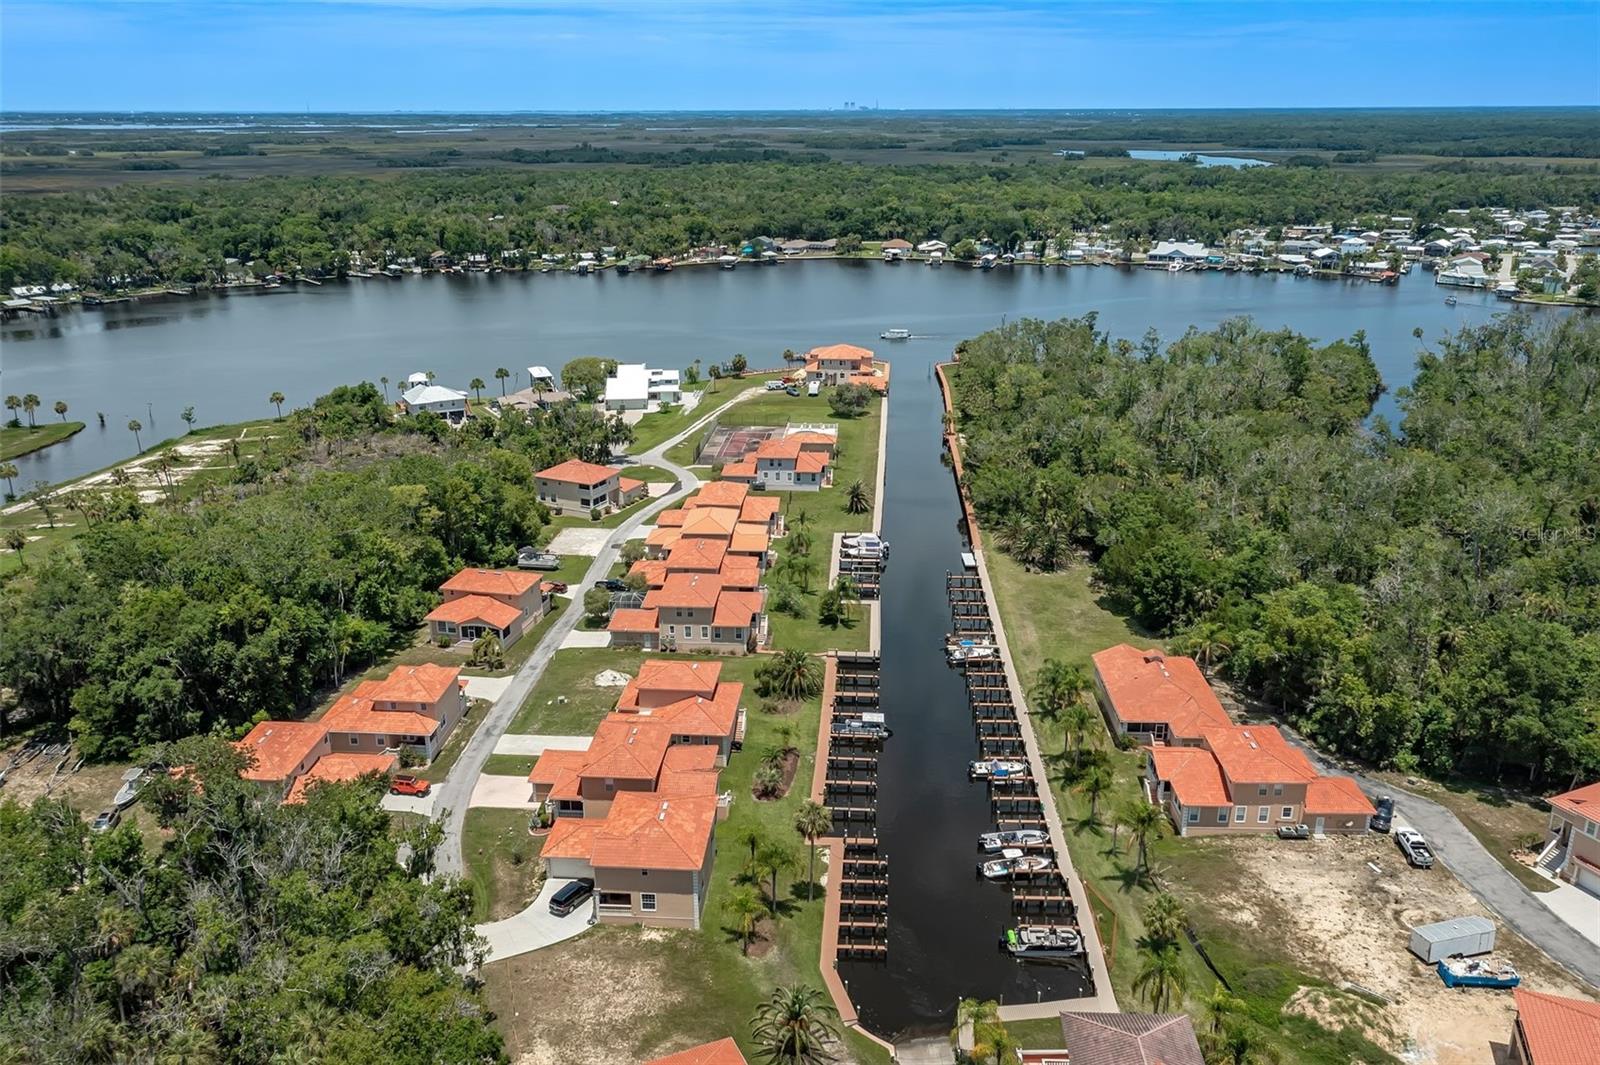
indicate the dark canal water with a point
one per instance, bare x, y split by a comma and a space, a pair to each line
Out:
225, 354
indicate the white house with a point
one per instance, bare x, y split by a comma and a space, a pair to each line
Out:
1463, 271
928, 247
445, 402
1168, 251
634, 386
1352, 246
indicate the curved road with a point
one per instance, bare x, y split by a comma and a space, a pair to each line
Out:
456, 790
1479, 870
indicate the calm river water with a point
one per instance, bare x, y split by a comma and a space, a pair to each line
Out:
225, 354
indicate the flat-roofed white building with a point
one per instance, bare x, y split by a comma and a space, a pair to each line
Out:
635, 386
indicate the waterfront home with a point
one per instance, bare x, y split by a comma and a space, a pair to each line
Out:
795, 247
1554, 1030
1324, 259
1124, 1038
635, 386
577, 487
1154, 697
895, 249
699, 612
1355, 246
1177, 251
528, 400
928, 247
482, 601
799, 462
722, 1052
1463, 271
445, 402
338, 769
846, 364
1573, 850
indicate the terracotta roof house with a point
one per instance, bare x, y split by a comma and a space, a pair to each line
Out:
634, 627
672, 519
839, 364
722, 1052
1154, 696
653, 570
576, 487
802, 462
718, 494
337, 768
696, 554
765, 511
1130, 1039
1572, 851
282, 750
693, 616
662, 681
1552, 1030
478, 602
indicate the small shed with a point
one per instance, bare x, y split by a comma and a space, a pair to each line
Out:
1459, 935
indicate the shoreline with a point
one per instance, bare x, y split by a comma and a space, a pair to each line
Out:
46, 438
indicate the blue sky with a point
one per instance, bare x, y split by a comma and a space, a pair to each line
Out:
587, 55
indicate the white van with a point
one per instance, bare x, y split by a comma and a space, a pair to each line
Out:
814, 389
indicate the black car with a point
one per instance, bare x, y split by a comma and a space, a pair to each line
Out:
1381, 820
611, 584
570, 897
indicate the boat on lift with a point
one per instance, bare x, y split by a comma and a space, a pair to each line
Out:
957, 656
1012, 862
996, 769
1041, 941
991, 842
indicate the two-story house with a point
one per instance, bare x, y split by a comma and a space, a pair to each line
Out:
800, 462
1572, 852
846, 364
698, 612
479, 601
577, 487
414, 706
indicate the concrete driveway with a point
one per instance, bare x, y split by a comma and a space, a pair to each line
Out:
588, 542
1482, 874
490, 688
535, 927
532, 743
409, 804
503, 792
587, 638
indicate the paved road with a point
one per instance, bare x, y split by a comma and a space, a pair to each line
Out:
452, 796
1482, 874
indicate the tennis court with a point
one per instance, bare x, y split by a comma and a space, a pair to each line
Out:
726, 444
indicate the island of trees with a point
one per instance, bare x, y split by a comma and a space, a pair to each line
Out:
1424, 595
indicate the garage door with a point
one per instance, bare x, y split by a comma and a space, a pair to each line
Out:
1589, 880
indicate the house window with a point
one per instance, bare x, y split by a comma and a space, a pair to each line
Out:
1277, 789
383, 741
1192, 816
705, 631
1261, 790
1591, 829
1262, 814
647, 901
672, 630
1238, 815
716, 634
1287, 814
1222, 816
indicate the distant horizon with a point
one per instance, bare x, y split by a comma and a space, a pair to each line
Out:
650, 57
455, 112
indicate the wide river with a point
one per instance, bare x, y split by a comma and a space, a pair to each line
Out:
224, 355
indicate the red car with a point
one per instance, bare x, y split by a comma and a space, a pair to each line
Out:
558, 587
409, 785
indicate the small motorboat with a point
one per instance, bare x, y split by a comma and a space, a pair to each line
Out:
131, 779
956, 656
895, 334
1012, 862
1449, 301
1042, 941
1477, 972
868, 726
865, 542
996, 769
990, 842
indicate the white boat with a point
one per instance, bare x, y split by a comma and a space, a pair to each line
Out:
990, 842
1449, 301
129, 791
728, 262
1174, 267
996, 769
1042, 941
1013, 862
895, 334
955, 656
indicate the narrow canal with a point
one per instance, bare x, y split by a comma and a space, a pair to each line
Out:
944, 922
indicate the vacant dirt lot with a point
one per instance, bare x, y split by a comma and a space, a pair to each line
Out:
1340, 920
89, 789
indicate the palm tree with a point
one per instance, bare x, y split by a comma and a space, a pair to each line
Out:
1162, 978
793, 673
798, 542
61, 409
752, 837
798, 568
1240, 1045
991, 1043
1058, 686
476, 384
1164, 921
16, 539
30, 403
800, 519
746, 909
500, 374
795, 1027
773, 858
1076, 720
811, 820
1206, 642
858, 500
1144, 822
384, 381
276, 399
1097, 780
134, 427
13, 402
1221, 1005
8, 470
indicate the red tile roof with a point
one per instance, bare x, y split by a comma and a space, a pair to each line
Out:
749, 539
697, 591
664, 536
688, 769
672, 519
558, 770
696, 554
1130, 1039
1337, 796
1257, 754
1147, 687
719, 494
654, 571
740, 573
336, 768
1193, 773
1557, 1030
810, 462
722, 1052
758, 508
744, 470
711, 521
626, 748
471, 608
1583, 802
647, 831
632, 619
628, 484
491, 582
571, 837
279, 747
697, 715
665, 680
840, 352
575, 471
426, 683
737, 608
353, 713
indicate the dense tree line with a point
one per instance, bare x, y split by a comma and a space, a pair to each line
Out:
1423, 597
255, 933
185, 232
162, 620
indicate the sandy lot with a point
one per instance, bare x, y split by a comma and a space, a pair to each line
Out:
89, 789
1347, 923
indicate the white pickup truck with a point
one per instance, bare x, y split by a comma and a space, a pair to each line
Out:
1414, 847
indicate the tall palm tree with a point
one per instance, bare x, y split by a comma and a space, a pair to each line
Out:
752, 837
797, 568
8, 470
134, 427
795, 1026
1096, 781
30, 403
500, 374
384, 381
1220, 1005
1145, 823
858, 500
13, 402
1058, 686
991, 1043
1162, 978
746, 909
1076, 721
477, 386
793, 673
61, 409
1206, 642
798, 542
773, 858
276, 399
811, 820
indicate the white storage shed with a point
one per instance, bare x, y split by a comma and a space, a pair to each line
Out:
1459, 935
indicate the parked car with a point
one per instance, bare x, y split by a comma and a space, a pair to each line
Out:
557, 587
611, 584
774, 386
571, 896
1294, 831
105, 821
1414, 847
405, 784
792, 390
1380, 821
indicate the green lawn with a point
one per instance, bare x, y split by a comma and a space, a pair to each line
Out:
509, 765
649, 474
685, 987
21, 441
566, 701
653, 430
502, 862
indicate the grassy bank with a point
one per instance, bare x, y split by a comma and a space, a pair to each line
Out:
16, 442
653, 430
502, 862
